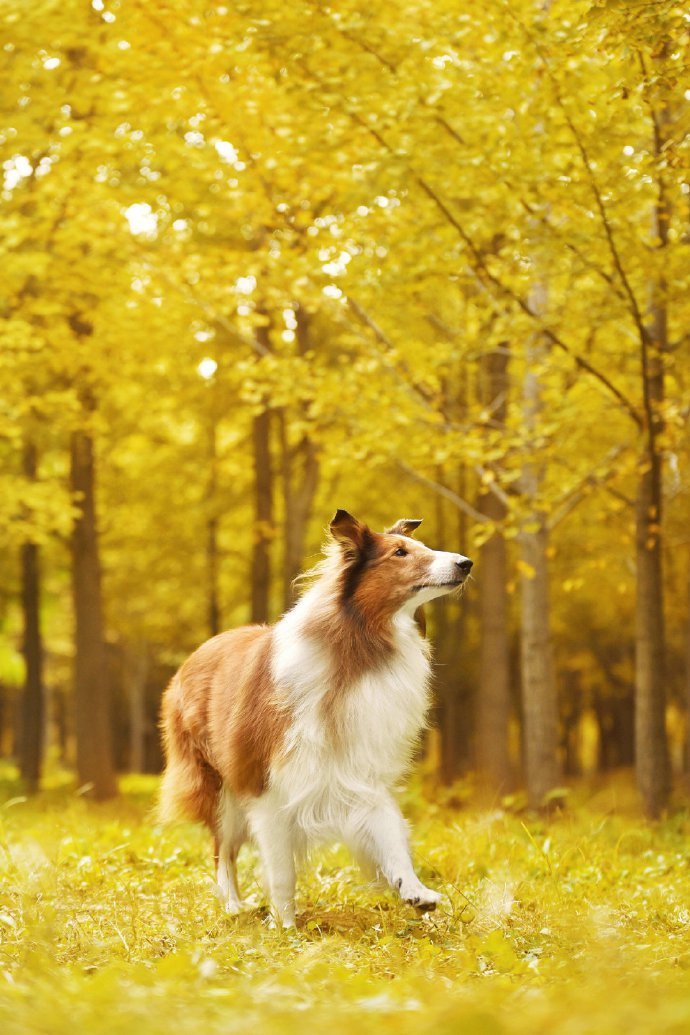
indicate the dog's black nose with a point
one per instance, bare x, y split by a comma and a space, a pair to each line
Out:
464, 565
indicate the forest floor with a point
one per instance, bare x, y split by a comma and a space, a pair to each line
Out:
578, 924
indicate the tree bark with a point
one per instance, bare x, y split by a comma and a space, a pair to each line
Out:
95, 766
539, 701
493, 706
446, 673
651, 747
300, 478
493, 703
263, 517
687, 693
33, 703
454, 700
137, 664
212, 552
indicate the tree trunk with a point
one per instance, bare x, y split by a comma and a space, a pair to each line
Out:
539, 701
446, 674
33, 704
300, 470
92, 693
212, 553
539, 704
263, 517
651, 747
687, 694
137, 665
300, 478
493, 705
493, 702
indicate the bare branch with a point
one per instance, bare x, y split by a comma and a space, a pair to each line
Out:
443, 490
189, 295
381, 337
576, 495
490, 484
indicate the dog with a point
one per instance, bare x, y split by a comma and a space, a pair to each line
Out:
296, 733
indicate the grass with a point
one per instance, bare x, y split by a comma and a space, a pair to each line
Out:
108, 923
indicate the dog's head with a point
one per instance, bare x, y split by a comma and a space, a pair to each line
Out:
390, 571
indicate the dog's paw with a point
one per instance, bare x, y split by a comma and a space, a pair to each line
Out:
419, 896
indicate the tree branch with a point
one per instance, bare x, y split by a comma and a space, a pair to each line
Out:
490, 280
443, 490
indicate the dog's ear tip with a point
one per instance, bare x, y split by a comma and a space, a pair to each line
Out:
347, 529
405, 526
341, 515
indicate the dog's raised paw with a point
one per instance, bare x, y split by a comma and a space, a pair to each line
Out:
422, 898
427, 902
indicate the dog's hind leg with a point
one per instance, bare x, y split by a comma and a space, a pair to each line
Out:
231, 833
273, 832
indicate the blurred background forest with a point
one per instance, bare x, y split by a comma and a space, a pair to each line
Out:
422, 259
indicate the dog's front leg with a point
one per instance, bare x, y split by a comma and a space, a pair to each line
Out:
379, 835
274, 836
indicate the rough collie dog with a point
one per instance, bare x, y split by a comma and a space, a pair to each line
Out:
297, 733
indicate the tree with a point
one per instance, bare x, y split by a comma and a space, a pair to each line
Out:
493, 697
33, 710
651, 748
93, 719
347, 228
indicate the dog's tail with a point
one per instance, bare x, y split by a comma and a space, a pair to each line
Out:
190, 787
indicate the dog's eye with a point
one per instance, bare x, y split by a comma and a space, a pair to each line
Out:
400, 552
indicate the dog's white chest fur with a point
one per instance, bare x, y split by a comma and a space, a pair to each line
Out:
320, 778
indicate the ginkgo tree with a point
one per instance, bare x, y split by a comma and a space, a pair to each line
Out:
258, 250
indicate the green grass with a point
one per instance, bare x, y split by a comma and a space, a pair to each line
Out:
108, 923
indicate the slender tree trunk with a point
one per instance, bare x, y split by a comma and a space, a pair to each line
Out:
539, 704
263, 516
687, 693
446, 674
213, 569
136, 672
493, 710
539, 700
651, 748
33, 704
300, 478
493, 703
212, 552
92, 693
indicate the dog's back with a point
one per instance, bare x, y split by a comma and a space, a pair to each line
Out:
220, 724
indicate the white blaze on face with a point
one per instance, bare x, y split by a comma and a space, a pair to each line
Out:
443, 574
445, 568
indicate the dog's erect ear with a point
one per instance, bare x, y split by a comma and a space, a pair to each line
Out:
405, 526
348, 531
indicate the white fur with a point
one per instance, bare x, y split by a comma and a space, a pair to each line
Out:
320, 789
232, 830
320, 784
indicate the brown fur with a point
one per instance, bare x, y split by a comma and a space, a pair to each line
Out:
220, 724
353, 622
228, 726
221, 721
